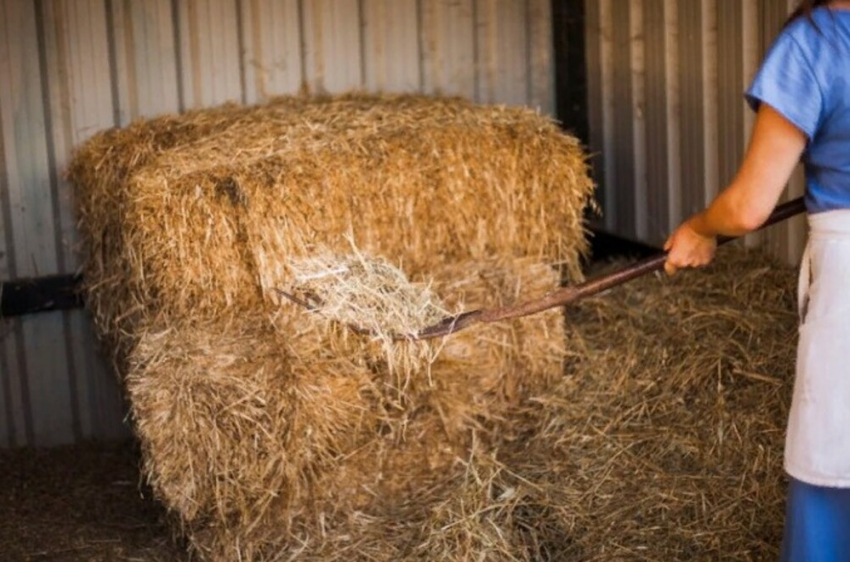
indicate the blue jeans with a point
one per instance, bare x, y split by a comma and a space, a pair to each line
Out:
817, 524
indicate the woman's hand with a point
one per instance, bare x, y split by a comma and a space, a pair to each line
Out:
686, 247
745, 204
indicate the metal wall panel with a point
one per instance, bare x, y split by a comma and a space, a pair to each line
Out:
658, 99
541, 91
272, 48
75, 36
391, 45
70, 68
143, 50
43, 385
668, 122
624, 117
447, 32
333, 49
503, 70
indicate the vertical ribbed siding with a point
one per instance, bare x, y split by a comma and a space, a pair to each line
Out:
209, 50
656, 105
75, 36
271, 48
637, 43
692, 104
29, 214
623, 120
541, 86
730, 85
332, 45
391, 45
710, 114
448, 47
595, 106
668, 122
70, 68
674, 114
503, 69
145, 48
601, 82
12, 422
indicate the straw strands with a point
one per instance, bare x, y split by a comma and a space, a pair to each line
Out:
647, 427
264, 439
233, 194
371, 297
662, 441
265, 428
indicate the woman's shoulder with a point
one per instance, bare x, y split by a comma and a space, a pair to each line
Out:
826, 26
822, 41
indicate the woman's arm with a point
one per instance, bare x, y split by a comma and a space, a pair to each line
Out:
747, 202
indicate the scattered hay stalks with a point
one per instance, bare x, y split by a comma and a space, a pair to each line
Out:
374, 299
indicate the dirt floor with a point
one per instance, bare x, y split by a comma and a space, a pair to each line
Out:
82, 503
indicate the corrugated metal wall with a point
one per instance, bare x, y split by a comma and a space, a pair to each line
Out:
668, 122
69, 68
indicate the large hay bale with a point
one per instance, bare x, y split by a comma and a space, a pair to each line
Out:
229, 194
264, 429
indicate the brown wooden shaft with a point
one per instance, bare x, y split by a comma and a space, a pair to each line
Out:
566, 295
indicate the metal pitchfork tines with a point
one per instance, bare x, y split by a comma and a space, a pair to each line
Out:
559, 297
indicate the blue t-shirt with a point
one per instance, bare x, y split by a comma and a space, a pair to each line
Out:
806, 78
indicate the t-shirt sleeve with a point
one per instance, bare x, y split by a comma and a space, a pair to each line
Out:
787, 83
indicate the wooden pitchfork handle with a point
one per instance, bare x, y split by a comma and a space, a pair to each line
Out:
567, 295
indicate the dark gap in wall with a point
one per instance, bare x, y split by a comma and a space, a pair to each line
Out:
568, 37
40, 294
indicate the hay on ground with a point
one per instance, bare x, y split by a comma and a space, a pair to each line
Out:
620, 460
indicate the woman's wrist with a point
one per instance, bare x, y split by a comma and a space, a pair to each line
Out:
699, 224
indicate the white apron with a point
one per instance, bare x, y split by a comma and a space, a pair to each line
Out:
817, 447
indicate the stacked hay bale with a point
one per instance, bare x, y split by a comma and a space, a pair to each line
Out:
264, 430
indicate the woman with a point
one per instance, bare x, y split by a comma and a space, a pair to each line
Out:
802, 98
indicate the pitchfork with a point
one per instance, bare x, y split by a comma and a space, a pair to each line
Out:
562, 296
